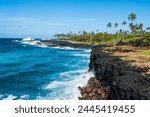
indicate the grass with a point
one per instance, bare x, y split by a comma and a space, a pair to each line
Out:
145, 52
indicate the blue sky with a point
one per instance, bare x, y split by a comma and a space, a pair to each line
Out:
43, 18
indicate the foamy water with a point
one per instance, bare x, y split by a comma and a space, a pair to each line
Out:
31, 70
70, 88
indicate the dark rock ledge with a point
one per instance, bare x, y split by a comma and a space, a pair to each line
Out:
115, 78
65, 43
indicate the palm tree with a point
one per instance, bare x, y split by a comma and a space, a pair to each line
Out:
124, 23
141, 26
132, 27
141, 29
116, 25
92, 36
123, 32
132, 16
148, 28
109, 25
117, 35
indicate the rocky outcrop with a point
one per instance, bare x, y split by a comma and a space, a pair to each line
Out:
125, 82
137, 43
65, 43
94, 91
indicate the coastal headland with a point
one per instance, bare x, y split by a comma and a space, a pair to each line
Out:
122, 72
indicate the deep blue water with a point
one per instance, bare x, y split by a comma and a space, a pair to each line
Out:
32, 73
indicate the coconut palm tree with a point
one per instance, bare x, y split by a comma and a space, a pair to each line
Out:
132, 27
141, 29
117, 35
141, 26
132, 16
109, 25
148, 28
124, 23
123, 32
116, 25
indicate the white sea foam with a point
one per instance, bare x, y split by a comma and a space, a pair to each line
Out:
80, 80
54, 84
10, 97
87, 50
27, 39
65, 48
15, 41
68, 89
30, 41
1, 96
42, 46
84, 55
85, 61
24, 45
24, 97
33, 42
71, 48
37, 43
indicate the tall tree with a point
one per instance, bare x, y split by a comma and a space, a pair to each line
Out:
123, 32
109, 25
132, 16
141, 29
124, 23
141, 26
148, 28
117, 35
116, 25
132, 27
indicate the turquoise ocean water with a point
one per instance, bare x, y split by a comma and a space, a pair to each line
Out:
29, 72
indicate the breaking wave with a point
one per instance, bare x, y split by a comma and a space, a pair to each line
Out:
47, 73
68, 89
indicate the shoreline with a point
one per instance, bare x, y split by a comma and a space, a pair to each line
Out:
65, 43
121, 73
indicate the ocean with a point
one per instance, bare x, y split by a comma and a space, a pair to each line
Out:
31, 72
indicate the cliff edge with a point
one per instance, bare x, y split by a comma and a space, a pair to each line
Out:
123, 73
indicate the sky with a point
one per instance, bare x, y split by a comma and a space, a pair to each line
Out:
43, 18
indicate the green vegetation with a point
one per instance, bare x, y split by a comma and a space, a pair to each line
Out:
125, 32
145, 52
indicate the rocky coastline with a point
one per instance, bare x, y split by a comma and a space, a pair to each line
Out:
65, 43
120, 74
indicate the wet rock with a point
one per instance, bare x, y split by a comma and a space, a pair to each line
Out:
93, 91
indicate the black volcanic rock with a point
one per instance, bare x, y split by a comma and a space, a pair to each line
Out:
63, 43
93, 91
126, 82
